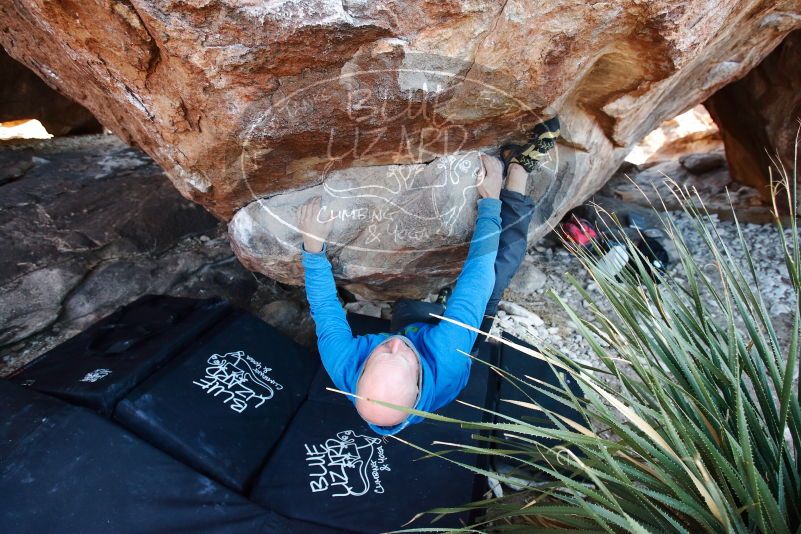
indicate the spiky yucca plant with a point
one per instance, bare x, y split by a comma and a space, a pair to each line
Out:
693, 422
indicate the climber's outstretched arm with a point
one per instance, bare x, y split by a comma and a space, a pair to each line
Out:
473, 289
338, 348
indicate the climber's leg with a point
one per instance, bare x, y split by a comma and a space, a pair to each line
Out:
516, 211
517, 208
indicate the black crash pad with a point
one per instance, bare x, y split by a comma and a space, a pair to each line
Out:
101, 365
318, 391
222, 404
65, 469
520, 364
332, 469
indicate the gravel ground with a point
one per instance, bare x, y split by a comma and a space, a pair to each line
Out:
534, 317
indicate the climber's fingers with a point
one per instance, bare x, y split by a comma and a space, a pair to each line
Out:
492, 165
491, 182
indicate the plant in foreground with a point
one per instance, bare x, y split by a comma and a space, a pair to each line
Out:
692, 422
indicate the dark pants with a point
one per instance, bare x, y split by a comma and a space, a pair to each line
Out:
516, 212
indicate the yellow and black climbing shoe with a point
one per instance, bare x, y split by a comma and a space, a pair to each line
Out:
542, 139
545, 133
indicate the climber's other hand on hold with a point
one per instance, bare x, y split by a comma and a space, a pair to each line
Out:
490, 185
315, 223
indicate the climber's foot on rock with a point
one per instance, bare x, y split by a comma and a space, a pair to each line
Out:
546, 133
541, 140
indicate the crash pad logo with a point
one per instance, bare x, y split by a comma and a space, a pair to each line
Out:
239, 380
97, 374
349, 465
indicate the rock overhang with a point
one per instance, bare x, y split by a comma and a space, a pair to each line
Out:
193, 83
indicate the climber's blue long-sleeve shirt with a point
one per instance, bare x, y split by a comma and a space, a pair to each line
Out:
444, 370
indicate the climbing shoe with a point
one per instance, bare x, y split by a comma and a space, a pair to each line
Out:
541, 140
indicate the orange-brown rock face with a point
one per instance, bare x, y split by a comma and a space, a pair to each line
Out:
240, 100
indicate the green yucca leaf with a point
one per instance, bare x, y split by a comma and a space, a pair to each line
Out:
691, 420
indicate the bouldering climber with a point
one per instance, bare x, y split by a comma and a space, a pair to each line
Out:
420, 365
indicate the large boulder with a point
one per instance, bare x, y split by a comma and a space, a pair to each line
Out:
760, 117
243, 101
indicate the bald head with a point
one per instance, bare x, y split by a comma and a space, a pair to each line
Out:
390, 375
